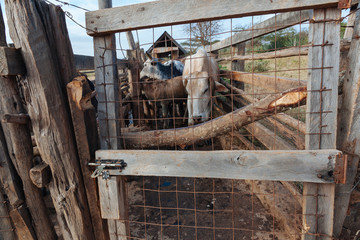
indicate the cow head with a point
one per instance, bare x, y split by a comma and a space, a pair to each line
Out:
200, 88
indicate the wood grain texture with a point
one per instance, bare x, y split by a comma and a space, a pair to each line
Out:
22, 223
272, 83
11, 62
20, 149
286, 165
32, 30
278, 22
321, 128
106, 83
349, 128
6, 229
140, 16
106, 76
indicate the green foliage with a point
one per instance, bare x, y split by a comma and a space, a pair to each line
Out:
221, 67
342, 29
285, 38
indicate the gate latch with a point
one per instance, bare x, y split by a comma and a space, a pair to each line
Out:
340, 169
103, 166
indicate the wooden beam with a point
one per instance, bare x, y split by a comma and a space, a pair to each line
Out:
40, 175
141, 16
164, 49
287, 165
16, 118
83, 62
278, 22
6, 228
87, 141
218, 126
318, 209
290, 52
264, 81
349, 128
22, 223
11, 62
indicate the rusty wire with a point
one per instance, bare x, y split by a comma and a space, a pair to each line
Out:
162, 210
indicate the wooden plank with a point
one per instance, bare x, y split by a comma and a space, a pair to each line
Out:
16, 118
6, 229
318, 209
290, 52
11, 62
139, 16
22, 223
287, 165
164, 49
109, 198
84, 123
267, 137
278, 22
42, 49
349, 129
264, 81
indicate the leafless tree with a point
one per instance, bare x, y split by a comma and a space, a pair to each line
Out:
202, 33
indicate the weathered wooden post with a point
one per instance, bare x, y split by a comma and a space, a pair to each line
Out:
113, 199
48, 110
321, 117
349, 129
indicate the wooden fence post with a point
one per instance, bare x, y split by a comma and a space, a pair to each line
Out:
349, 129
31, 29
321, 117
109, 125
238, 65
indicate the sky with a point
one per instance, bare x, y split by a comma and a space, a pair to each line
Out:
83, 44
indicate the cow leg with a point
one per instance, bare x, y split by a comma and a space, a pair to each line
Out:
164, 110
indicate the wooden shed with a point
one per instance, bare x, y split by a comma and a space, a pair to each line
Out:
166, 47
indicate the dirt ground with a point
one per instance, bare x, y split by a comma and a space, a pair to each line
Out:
187, 208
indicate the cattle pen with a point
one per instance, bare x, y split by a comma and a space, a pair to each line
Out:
251, 135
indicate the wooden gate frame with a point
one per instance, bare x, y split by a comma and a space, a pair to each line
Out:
101, 24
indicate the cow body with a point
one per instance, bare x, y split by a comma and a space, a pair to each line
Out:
163, 81
201, 79
154, 69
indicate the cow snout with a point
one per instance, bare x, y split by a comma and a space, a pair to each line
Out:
197, 119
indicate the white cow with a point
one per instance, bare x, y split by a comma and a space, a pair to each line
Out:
201, 80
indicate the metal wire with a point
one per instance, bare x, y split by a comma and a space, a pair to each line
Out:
198, 208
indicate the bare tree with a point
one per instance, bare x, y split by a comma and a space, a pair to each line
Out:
202, 33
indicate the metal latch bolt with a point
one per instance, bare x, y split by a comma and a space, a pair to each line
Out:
108, 164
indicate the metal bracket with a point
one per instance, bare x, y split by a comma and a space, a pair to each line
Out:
109, 164
340, 169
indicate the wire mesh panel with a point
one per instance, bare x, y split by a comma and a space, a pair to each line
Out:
230, 84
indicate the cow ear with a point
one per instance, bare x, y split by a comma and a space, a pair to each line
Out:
220, 88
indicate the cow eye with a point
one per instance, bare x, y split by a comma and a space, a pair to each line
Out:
206, 90
153, 63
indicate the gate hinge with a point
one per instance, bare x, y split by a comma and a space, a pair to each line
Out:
103, 166
340, 169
